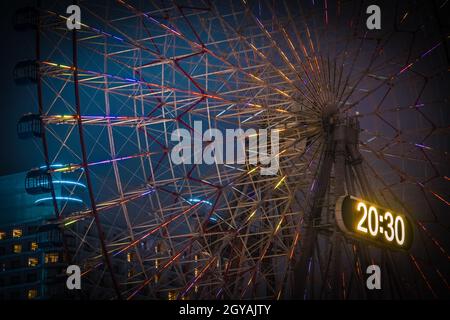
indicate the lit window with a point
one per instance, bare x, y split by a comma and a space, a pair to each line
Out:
33, 262
17, 248
2, 235
32, 293
33, 246
51, 258
17, 233
171, 295
129, 256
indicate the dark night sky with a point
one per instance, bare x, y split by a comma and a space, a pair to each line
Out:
14, 100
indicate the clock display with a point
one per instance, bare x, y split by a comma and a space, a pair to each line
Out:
362, 219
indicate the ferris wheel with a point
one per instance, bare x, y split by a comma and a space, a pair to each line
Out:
362, 121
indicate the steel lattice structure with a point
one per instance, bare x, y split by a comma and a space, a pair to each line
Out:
111, 93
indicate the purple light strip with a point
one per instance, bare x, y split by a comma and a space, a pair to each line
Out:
422, 146
437, 45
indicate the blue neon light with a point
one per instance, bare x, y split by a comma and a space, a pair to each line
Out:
70, 182
66, 182
58, 198
195, 200
214, 217
56, 165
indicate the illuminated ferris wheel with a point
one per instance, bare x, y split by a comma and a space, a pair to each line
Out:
363, 149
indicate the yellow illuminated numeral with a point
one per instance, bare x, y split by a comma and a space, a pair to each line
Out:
399, 219
364, 217
373, 231
390, 225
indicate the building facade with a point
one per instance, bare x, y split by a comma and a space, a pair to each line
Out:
32, 264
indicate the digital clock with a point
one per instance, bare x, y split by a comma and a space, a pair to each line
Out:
362, 219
